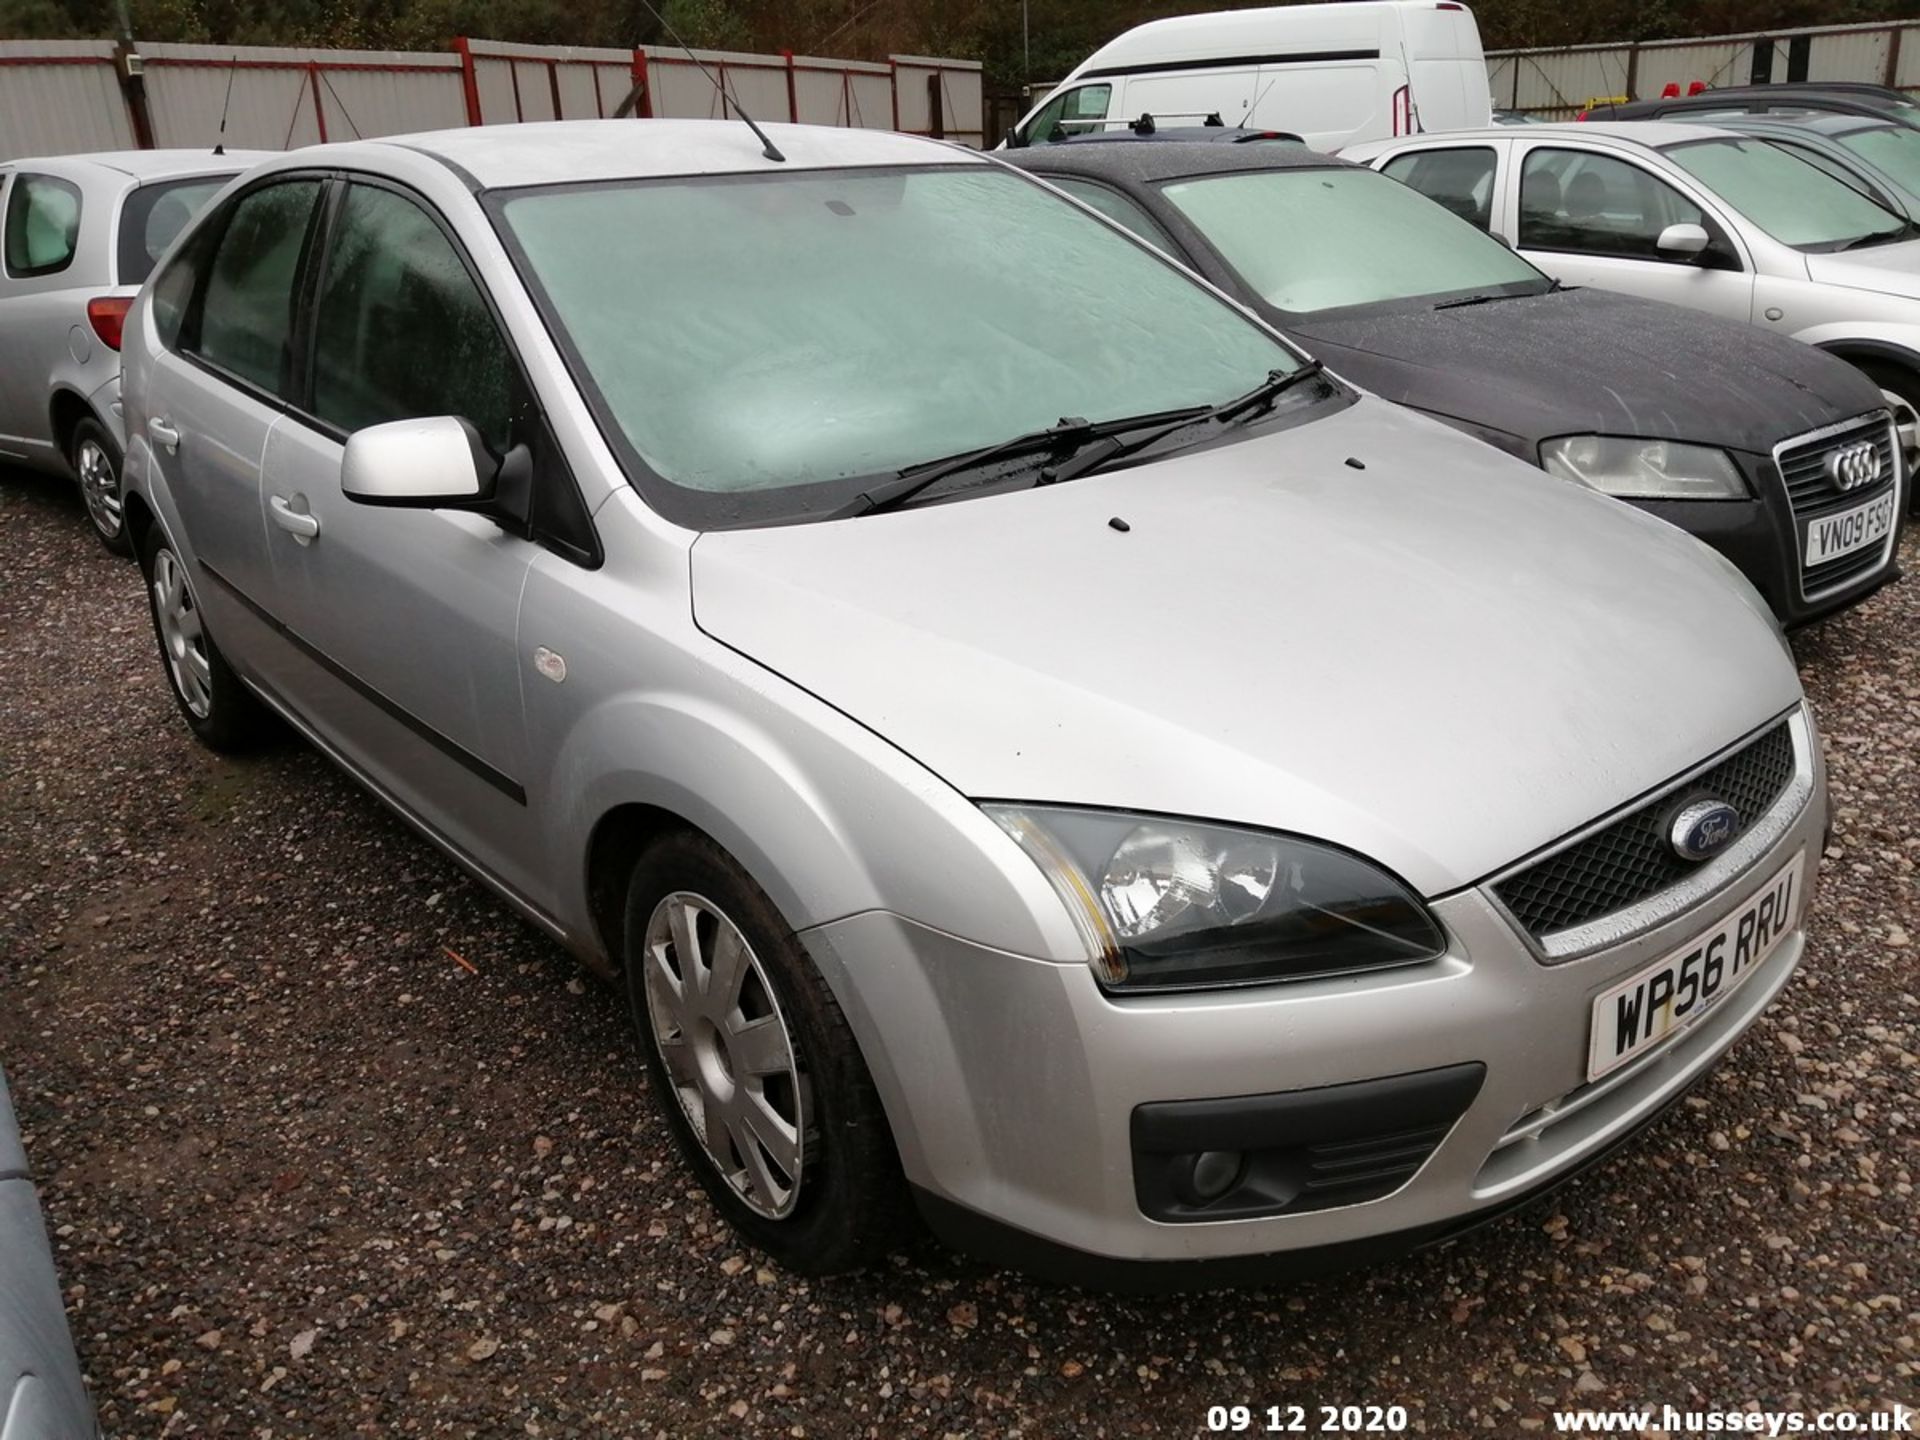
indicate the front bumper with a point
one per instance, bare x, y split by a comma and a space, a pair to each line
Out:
1013, 1084
1761, 535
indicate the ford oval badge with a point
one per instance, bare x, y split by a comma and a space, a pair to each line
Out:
1703, 829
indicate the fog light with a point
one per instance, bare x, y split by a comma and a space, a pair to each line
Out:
1214, 1173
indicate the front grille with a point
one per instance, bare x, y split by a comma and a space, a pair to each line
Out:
1813, 495
1623, 863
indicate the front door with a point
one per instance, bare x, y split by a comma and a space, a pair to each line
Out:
406, 618
1590, 218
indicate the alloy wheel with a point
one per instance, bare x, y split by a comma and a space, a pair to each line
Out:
99, 487
182, 635
727, 1050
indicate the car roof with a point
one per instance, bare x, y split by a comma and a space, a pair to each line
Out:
1163, 156
1654, 133
1821, 122
150, 164
571, 151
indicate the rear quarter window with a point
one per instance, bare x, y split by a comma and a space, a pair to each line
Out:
42, 225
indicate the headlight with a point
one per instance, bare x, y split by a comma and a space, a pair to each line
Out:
1179, 905
1644, 469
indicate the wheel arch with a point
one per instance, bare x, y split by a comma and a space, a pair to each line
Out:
66, 408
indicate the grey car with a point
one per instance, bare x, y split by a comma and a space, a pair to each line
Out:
1032, 746
42, 1396
1879, 158
78, 236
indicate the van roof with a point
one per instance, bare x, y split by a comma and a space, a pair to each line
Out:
1328, 29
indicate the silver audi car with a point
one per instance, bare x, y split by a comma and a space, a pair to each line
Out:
1033, 747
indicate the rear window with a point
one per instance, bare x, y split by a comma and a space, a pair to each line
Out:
153, 217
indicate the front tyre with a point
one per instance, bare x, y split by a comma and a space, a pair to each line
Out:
754, 1066
217, 707
95, 459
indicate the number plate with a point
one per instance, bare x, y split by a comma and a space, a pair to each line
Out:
1832, 536
1672, 993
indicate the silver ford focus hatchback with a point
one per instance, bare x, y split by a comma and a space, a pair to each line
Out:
1034, 748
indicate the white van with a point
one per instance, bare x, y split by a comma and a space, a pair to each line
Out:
1333, 74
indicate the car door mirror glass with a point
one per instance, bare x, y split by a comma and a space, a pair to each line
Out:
427, 463
1683, 240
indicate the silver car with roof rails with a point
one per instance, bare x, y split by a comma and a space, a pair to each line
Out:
78, 236
1032, 746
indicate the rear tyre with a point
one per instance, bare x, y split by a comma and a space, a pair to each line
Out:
217, 707
754, 1066
1900, 388
95, 459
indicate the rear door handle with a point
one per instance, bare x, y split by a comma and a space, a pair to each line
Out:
165, 434
297, 523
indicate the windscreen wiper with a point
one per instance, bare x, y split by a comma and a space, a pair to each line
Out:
1115, 447
1466, 300
1881, 237
1070, 432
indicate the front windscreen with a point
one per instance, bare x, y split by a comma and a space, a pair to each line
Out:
1796, 203
1309, 240
763, 342
1892, 149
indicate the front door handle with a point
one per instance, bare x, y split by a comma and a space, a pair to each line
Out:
167, 437
296, 522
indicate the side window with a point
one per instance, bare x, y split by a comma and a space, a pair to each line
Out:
400, 330
1118, 208
42, 225
151, 219
1072, 112
246, 305
1459, 178
1598, 205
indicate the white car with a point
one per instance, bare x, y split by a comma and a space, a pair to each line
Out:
78, 235
1333, 74
1694, 215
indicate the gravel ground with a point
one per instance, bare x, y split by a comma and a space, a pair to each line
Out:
309, 1174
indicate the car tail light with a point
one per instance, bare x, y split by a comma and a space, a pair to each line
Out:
108, 316
1670, 90
1697, 87
1403, 111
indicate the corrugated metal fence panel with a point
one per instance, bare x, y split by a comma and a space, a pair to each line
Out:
1535, 80
591, 80
365, 103
962, 102
284, 97
60, 97
1714, 62
1907, 74
842, 92
493, 83
272, 106
681, 90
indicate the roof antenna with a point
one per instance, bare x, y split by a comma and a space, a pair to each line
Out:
220, 142
767, 146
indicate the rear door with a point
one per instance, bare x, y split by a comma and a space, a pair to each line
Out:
1594, 217
225, 311
1186, 97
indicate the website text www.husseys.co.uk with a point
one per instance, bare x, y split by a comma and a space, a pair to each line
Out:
1668, 1420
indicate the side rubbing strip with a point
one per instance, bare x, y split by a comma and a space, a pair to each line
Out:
461, 756
1230, 62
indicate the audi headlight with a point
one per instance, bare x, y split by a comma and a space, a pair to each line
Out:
1644, 469
1169, 904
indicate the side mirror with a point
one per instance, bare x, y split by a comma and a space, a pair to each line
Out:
1683, 240
424, 464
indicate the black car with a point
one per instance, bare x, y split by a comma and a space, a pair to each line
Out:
1833, 97
1683, 414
